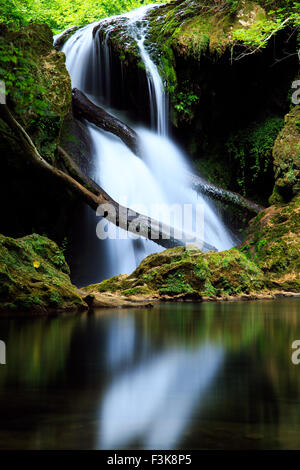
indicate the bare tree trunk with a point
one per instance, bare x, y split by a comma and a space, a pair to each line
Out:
223, 195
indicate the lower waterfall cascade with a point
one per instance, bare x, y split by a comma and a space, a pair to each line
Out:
156, 178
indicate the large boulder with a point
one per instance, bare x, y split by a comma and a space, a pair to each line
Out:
273, 243
183, 273
34, 277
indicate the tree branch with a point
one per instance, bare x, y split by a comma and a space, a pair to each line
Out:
264, 41
223, 195
86, 109
92, 194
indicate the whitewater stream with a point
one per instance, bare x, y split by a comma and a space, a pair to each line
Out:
152, 182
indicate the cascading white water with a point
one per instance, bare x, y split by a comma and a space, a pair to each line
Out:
160, 176
157, 92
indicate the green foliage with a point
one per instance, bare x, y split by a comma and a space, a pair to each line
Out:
185, 99
60, 15
64, 245
233, 4
38, 86
276, 19
167, 68
252, 149
16, 72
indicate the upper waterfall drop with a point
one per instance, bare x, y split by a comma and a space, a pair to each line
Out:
157, 92
159, 177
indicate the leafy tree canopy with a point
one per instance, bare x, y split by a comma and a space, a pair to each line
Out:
61, 14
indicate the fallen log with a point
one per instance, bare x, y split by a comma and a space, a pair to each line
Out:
223, 195
93, 195
86, 109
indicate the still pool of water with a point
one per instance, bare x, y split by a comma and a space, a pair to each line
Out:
178, 376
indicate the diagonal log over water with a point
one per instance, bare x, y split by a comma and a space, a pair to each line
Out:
92, 194
84, 108
223, 195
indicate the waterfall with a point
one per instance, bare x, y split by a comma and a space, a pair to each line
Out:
157, 179
157, 93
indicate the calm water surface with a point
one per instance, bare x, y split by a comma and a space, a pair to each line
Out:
201, 376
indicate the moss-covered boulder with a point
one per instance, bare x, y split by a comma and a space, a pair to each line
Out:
37, 82
266, 265
185, 273
273, 243
34, 277
286, 155
194, 28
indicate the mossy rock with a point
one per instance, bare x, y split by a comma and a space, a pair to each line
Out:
265, 265
40, 96
185, 272
34, 277
63, 38
193, 29
286, 155
273, 243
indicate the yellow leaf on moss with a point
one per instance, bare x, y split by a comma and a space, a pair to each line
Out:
36, 264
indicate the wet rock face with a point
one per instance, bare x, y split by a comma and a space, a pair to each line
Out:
121, 70
273, 243
286, 154
35, 277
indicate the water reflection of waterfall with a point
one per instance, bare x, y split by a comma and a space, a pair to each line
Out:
159, 177
185, 376
141, 403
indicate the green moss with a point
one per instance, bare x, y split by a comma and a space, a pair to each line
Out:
286, 155
182, 271
176, 284
37, 82
273, 243
195, 28
267, 260
251, 148
35, 276
112, 285
140, 290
